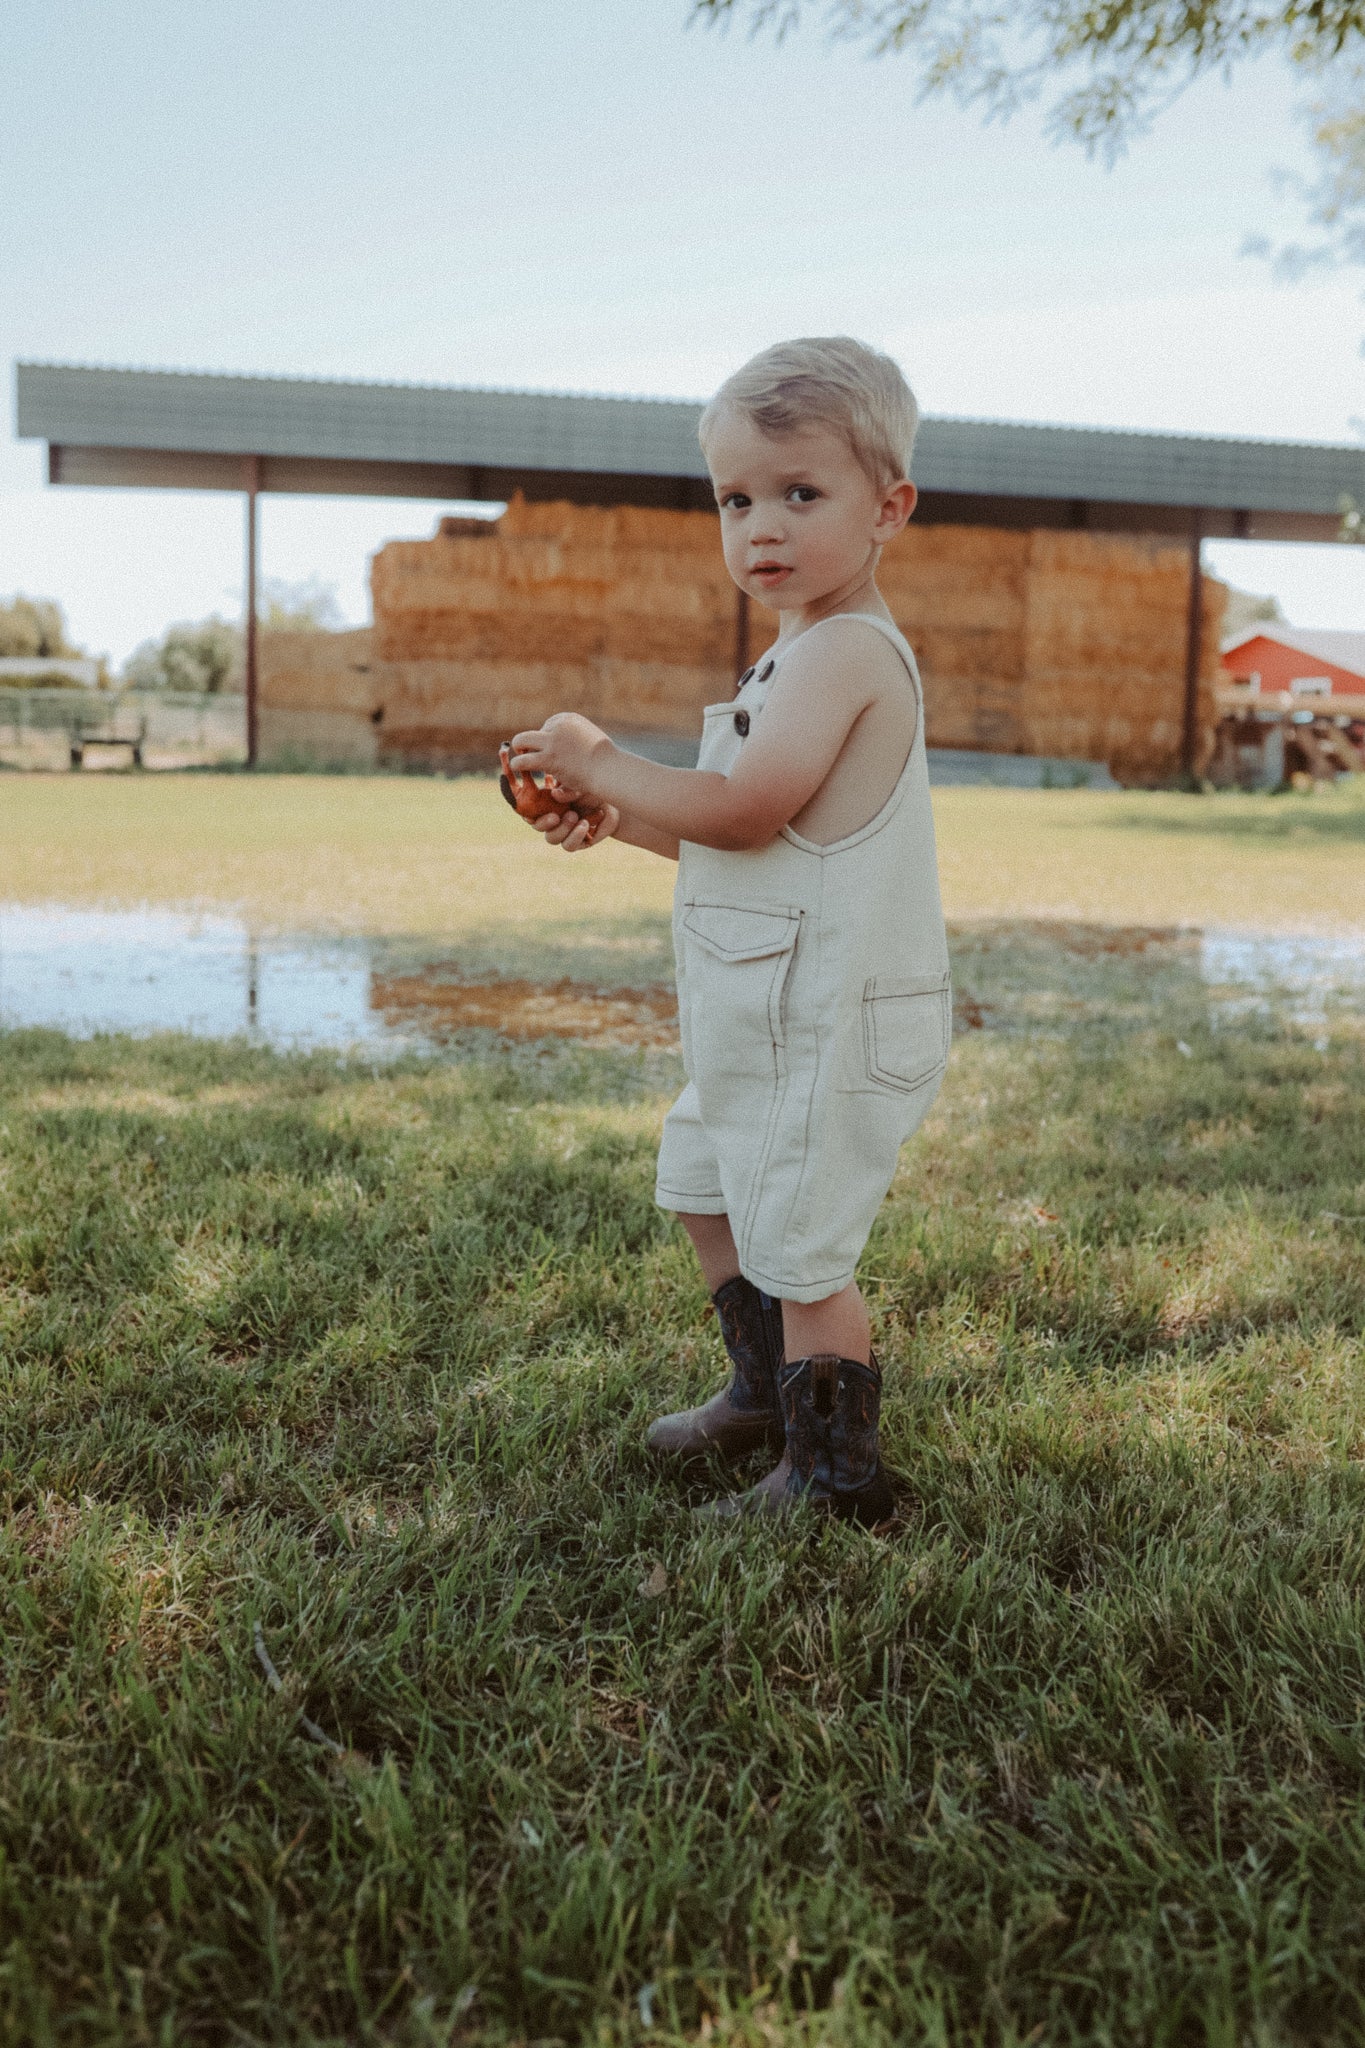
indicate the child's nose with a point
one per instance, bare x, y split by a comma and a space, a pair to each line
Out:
768, 526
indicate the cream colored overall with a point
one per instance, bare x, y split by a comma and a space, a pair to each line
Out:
815, 1010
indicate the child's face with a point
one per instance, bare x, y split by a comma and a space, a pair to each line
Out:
801, 520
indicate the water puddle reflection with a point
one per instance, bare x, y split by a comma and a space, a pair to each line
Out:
1300, 978
86, 971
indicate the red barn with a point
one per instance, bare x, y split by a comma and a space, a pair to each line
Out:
1283, 658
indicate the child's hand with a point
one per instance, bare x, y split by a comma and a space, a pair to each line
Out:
565, 747
574, 833
549, 799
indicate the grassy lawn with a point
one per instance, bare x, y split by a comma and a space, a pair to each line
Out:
412, 857
1076, 1755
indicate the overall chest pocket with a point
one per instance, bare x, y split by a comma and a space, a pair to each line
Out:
907, 1027
738, 963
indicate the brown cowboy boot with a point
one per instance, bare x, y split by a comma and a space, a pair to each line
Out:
745, 1416
832, 1411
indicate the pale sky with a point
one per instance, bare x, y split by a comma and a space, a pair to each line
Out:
598, 197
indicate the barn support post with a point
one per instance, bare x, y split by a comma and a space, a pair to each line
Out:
1194, 638
741, 631
251, 482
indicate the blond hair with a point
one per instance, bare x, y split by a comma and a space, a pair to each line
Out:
830, 381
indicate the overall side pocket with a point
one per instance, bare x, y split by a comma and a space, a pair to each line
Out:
739, 960
907, 1028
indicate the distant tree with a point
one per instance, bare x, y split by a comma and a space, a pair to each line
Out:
33, 626
1335, 200
208, 656
1335, 204
205, 657
1245, 611
308, 607
1113, 63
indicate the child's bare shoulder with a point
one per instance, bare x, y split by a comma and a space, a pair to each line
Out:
849, 651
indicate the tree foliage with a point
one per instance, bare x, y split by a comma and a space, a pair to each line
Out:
208, 656
1245, 610
203, 658
307, 607
1112, 63
1336, 198
33, 628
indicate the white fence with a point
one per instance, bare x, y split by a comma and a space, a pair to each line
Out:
46, 671
66, 728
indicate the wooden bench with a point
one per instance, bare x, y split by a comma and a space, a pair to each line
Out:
98, 728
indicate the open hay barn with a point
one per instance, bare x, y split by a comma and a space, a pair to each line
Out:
1050, 580
1035, 643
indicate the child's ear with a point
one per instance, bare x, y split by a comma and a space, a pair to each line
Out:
895, 509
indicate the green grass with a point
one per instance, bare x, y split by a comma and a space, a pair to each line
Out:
414, 858
1078, 1755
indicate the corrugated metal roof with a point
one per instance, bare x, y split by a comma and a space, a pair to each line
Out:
356, 422
282, 416
995, 457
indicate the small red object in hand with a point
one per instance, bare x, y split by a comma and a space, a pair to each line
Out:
531, 799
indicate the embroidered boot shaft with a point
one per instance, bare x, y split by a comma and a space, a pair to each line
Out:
831, 1411
745, 1416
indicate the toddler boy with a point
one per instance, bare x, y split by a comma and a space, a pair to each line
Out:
813, 989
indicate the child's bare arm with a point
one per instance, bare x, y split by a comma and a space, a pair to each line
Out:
809, 714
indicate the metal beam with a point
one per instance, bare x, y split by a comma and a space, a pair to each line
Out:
176, 469
741, 631
327, 476
250, 481
1194, 636
1052, 515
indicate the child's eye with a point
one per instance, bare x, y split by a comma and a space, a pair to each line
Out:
804, 494
735, 501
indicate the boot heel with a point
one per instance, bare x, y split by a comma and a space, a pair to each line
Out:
872, 1507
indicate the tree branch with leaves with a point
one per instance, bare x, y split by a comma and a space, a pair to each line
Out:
1113, 63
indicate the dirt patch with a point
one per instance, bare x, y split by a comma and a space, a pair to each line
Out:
439, 1004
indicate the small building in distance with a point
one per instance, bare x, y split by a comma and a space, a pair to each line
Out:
1306, 664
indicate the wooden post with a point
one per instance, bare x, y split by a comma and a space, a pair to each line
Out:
1194, 636
741, 631
252, 481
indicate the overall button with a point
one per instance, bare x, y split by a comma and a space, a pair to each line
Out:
742, 724
743, 680
766, 671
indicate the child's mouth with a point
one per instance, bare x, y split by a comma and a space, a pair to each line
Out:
770, 572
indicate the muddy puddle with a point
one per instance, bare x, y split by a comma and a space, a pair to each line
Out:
437, 1003
87, 971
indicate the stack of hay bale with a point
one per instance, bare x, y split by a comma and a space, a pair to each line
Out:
1049, 643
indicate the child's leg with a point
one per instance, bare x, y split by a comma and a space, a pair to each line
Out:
837, 1326
714, 1243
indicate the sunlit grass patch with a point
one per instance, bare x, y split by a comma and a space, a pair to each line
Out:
424, 860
